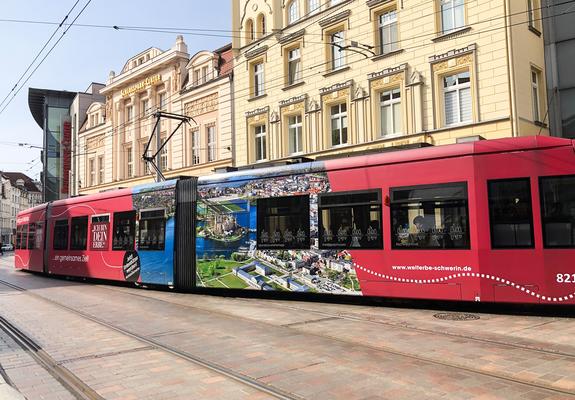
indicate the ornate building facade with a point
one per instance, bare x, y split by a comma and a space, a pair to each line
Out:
318, 78
115, 134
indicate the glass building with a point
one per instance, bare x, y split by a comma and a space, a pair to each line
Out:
51, 111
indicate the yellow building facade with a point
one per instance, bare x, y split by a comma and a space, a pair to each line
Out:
317, 78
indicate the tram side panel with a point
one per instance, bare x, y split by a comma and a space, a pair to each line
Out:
29, 243
528, 244
126, 237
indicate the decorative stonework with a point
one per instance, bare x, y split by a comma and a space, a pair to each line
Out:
293, 100
415, 78
335, 18
453, 62
292, 36
453, 53
274, 117
109, 107
388, 80
201, 106
336, 87
313, 106
256, 52
387, 72
294, 107
257, 111
374, 3
94, 143
359, 94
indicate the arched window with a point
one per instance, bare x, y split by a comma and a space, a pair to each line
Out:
313, 6
261, 25
293, 12
249, 31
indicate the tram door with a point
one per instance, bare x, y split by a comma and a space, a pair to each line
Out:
185, 257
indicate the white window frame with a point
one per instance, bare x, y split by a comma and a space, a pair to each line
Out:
205, 74
313, 6
259, 79
260, 135
101, 169
129, 162
387, 23
295, 130
390, 104
196, 146
92, 171
294, 60
340, 116
337, 54
448, 10
535, 95
458, 88
162, 101
164, 156
293, 11
145, 103
211, 142
129, 114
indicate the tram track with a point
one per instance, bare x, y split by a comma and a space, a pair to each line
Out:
278, 393
245, 380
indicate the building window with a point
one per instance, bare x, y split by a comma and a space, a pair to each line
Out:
211, 136
430, 217
145, 107
350, 220
124, 236
129, 162
535, 94
390, 104
195, 146
79, 233
249, 31
533, 11
91, 172
457, 98
510, 214
261, 143
129, 114
452, 15
143, 163
337, 52
205, 74
338, 119
162, 101
283, 223
259, 86
295, 136
313, 6
261, 25
293, 11
197, 77
164, 155
388, 38
152, 233
100, 169
294, 66
557, 205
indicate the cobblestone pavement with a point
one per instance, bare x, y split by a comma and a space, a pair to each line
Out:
308, 350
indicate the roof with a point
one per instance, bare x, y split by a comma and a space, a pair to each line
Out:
395, 157
37, 98
28, 182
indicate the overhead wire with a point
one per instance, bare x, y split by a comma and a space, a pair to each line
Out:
44, 58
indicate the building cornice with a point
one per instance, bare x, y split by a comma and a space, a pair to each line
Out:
335, 87
334, 18
256, 52
387, 72
292, 36
293, 100
452, 53
257, 111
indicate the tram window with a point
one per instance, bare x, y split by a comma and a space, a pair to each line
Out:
510, 213
32, 236
61, 235
152, 232
430, 217
350, 220
283, 223
79, 233
19, 237
558, 211
24, 242
124, 230
39, 235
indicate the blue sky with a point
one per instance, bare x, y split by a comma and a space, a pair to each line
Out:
86, 55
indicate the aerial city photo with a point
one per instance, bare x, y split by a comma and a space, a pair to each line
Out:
289, 199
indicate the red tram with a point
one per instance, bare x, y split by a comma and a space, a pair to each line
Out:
483, 221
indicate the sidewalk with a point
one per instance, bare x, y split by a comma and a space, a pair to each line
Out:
7, 392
